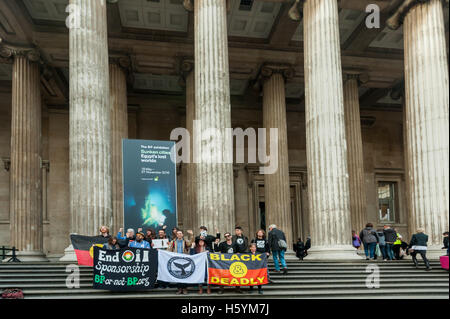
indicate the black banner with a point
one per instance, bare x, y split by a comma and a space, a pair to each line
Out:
125, 269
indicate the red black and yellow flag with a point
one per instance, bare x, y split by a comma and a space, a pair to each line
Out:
237, 269
83, 246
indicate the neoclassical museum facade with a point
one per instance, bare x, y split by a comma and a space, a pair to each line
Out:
362, 113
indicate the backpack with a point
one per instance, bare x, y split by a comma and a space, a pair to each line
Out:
282, 244
13, 293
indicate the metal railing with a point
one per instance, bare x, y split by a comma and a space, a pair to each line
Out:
4, 255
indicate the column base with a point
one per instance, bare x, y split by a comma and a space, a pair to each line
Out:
434, 252
28, 256
333, 253
69, 255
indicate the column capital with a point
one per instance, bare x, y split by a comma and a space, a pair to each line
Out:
269, 69
361, 76
123, 61
294, 12
10, 51
398, 91
396, 20
186, 67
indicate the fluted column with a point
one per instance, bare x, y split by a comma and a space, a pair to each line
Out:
189, 169
277, 185
427, 105
90, 141
355, 157
119, 131
328, 189
25, 169
215, 189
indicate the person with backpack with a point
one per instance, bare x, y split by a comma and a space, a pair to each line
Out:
278, 246
369, 239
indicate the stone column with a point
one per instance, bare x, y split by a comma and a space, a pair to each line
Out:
277, 185
90, 140
326, 147
25, 170
355, 157
119, 131
189, 169
214, 177
427, 105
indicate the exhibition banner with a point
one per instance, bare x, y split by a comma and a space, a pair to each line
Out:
125, 269
149, 184
237, 269
181, 268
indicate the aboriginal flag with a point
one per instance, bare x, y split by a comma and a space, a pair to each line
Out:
237, 269
83, 246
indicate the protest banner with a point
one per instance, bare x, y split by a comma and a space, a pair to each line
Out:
160, 243
181, 268
83, 246
237, 269
125, 269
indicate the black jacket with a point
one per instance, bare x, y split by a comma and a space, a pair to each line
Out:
419, 239
209, 240
241, 243
224, 248
299, 249
390, 235
445, 242
262, 245
274, 236
308, 244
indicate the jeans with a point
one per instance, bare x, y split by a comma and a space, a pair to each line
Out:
389, 251
383, 249
369, 249
423, 254
279, 254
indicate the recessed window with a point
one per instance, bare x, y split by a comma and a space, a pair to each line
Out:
387, 201
246, 5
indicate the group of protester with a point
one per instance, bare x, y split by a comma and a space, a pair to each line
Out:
274, 244
388, 244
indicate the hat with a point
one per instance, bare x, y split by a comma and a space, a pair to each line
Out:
140, 233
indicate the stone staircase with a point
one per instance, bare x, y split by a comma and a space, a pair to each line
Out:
306, 279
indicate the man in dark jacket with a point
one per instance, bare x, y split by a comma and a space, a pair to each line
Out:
369, 238
208, 239
278, 245
445, 241
299, 248
390, 237
418, 245
240, 240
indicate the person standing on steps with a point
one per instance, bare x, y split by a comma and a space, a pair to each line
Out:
418, 245
369, 238
240, 240
278, 246
390, 236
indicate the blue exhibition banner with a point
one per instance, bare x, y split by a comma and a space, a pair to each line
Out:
149, 184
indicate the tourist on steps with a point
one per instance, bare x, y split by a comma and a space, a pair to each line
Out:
418, 245
390, 236
299, 248
278, 246
369, 239
382, 243
445, 241
356, 241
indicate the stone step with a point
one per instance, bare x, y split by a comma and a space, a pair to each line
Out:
274, 286
441, 293
281, 280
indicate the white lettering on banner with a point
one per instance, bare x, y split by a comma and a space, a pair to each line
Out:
143, 269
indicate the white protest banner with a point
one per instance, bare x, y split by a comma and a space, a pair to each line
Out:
181, 268
160, 243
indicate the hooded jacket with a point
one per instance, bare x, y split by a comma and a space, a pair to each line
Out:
368, 235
